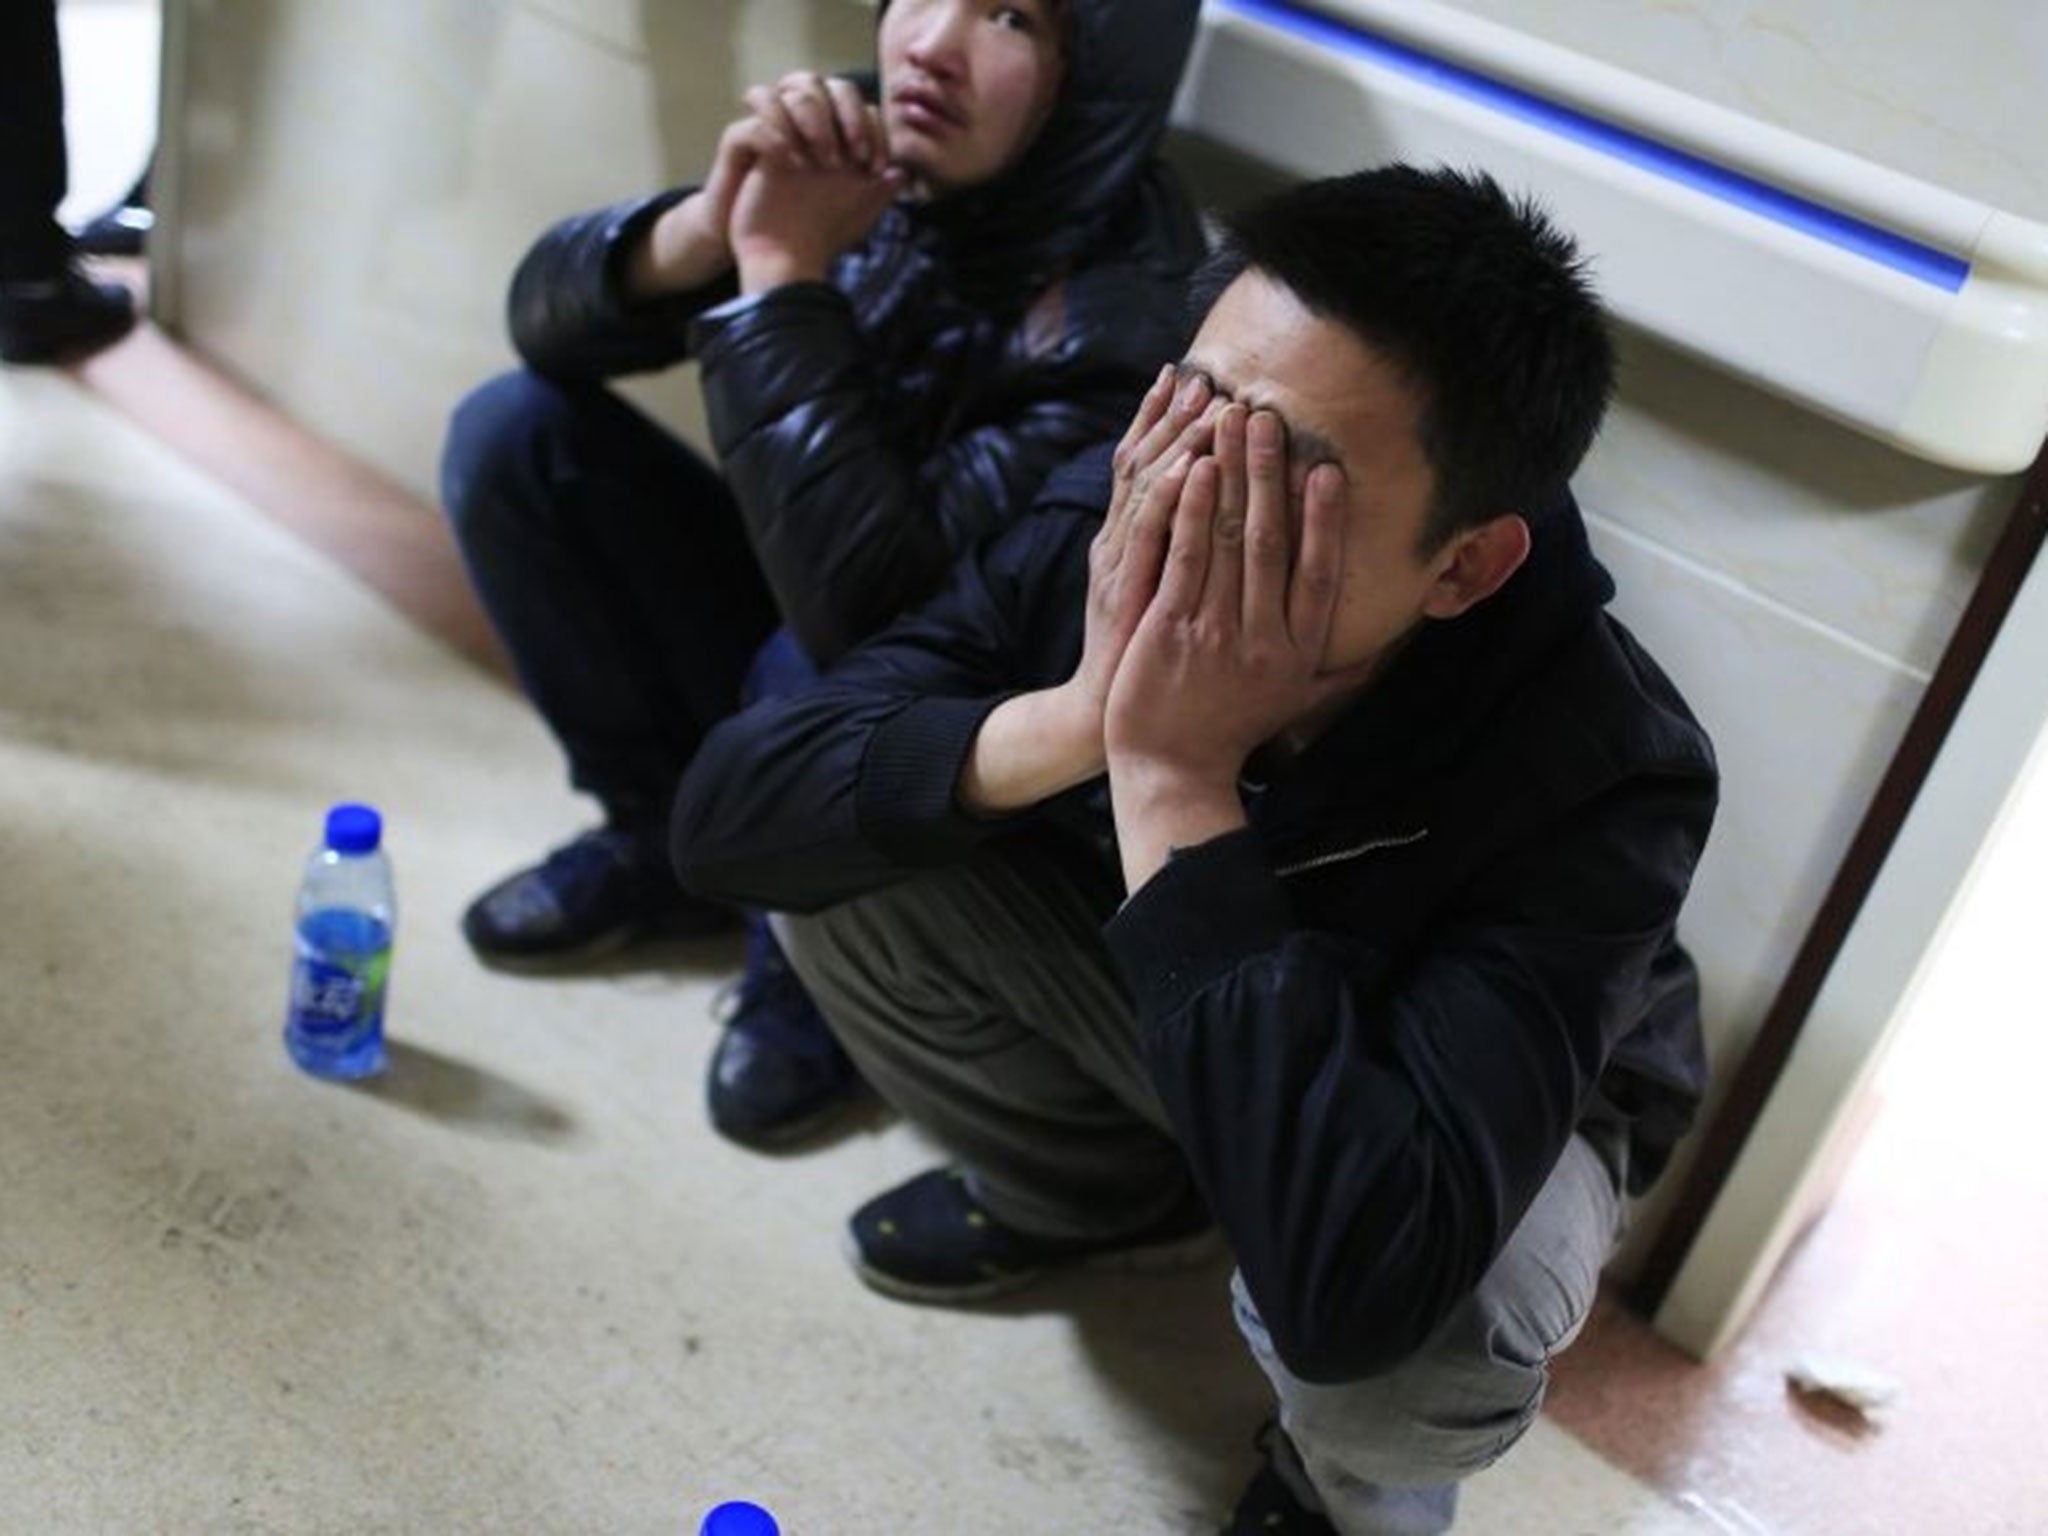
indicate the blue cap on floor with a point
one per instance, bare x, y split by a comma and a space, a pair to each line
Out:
739, 1519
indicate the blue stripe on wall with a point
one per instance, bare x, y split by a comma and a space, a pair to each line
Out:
1924, 263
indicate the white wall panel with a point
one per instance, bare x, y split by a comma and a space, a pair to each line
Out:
1854, 535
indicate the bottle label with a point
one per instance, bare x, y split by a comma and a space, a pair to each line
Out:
326, 999
338, 976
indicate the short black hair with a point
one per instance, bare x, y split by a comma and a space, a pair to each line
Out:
1478, 298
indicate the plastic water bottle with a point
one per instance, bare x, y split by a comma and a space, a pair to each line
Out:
334, 1025
739, 1519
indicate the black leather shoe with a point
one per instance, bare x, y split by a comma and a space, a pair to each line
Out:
777, 1075
607, 889
61, 316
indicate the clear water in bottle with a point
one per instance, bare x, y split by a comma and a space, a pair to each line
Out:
334, 1023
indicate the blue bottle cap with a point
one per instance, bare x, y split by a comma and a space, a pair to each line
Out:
739, 1519
354, 828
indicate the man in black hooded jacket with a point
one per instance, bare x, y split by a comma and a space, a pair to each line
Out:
905, 314
1297, 844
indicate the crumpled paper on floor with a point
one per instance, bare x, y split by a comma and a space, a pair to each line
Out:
1870, 1392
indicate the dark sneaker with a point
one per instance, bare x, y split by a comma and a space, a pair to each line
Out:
1269, 1508
607, 889
777, 1074
930, 1240
58, 317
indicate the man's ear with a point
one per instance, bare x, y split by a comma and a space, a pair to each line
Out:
1476, 565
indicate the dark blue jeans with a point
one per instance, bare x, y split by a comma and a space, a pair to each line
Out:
613, 561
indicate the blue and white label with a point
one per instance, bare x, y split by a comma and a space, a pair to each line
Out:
326, 998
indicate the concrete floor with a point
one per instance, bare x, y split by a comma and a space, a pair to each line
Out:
518, 1285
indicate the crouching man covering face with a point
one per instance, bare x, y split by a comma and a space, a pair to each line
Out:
1276, 834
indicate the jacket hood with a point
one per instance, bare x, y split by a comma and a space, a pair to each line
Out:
1123, 65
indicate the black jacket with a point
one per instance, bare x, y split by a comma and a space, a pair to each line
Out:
876, 426
1375, 1017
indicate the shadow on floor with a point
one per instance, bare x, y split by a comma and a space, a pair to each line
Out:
466, 1097
1166, 1347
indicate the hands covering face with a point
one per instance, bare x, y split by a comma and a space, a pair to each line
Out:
1212, 589
1175, 422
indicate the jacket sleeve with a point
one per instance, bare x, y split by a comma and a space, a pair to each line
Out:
850, 524
567, 311
1369, 1133
813, 798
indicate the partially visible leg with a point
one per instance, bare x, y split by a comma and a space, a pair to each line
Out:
32, 161
982, 1003
1384, 1456
778, 1074
47, 307
613, 562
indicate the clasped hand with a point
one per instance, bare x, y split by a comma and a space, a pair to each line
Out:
799, 179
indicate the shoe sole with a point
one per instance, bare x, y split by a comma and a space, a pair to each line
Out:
605, 945
1152, 1259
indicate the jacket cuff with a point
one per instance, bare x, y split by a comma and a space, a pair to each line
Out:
904, 799
1207, 912
624, 225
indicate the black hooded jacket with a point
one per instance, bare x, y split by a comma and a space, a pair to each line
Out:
1375, 1017
875, 426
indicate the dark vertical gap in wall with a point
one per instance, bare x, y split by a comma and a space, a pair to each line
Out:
1728, 1133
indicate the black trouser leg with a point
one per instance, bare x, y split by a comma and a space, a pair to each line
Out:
32, 162
613, 561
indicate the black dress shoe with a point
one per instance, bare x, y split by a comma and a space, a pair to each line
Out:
45, 319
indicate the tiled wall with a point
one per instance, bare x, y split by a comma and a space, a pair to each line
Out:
360, 175
1944, 92
1799, 584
